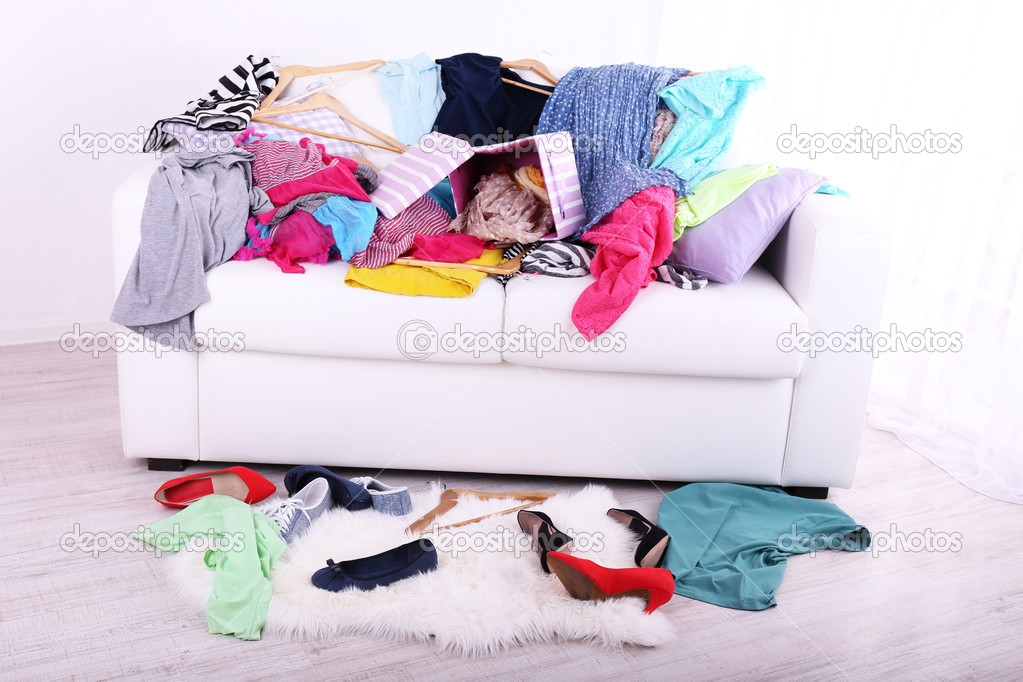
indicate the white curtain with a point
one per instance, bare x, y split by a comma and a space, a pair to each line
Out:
954, 218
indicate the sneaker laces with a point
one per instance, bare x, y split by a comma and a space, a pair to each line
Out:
285, 513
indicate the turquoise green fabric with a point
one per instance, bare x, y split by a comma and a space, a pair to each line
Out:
730, 543
716, 192
828, 188
242, 548
706, 107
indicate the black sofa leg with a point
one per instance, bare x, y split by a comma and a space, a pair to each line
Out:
808, 492
167, 464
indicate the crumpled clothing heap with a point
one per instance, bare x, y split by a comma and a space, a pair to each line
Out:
504, 211
300, 238
392, 237
286, 171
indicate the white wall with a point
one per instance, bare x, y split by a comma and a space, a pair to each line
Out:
111, 67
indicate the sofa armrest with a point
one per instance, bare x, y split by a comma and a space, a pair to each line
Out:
832, 259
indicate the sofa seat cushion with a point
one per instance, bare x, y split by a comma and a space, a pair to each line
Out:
316, 313
722, 330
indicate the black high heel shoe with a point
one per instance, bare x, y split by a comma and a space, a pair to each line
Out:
653, 540
546, 538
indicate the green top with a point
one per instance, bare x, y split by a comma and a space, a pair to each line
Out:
714, 193
242, 546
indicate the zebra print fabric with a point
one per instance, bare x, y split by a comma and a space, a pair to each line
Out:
229, 106
561, 259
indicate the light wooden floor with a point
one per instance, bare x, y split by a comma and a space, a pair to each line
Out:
906, 614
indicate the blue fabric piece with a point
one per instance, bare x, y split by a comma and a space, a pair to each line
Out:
828, 188
351, 221
441, 193
411, 87
706, 106
610, 111
730, 543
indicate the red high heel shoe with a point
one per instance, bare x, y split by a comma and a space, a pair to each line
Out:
240, 483
586, 580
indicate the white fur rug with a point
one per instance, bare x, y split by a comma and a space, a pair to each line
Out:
488, 592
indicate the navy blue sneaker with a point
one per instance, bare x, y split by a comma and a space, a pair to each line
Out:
404, 561
345, 493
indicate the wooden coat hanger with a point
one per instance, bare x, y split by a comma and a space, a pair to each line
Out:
449, 498
509, 267
289, 73
537, 67
330, 84
321, 100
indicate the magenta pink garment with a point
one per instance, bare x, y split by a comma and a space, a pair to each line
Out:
631, 241
393, 237
300, 238
447, 248
337, 179
286, 170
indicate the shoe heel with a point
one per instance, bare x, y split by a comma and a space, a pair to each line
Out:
546, 537
653, 540
584, 579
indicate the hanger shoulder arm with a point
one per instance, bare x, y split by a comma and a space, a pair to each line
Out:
534, 65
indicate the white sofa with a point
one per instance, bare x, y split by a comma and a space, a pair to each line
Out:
700, 392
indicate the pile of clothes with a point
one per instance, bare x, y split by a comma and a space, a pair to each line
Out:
643, 137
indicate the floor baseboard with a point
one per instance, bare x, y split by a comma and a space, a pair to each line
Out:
52, 332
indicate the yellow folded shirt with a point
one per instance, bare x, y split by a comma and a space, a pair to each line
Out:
413, 280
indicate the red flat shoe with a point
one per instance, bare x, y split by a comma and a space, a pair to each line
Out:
586, 580
240, 483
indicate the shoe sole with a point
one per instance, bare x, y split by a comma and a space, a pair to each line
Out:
580, 586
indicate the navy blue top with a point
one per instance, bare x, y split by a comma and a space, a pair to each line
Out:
480, 105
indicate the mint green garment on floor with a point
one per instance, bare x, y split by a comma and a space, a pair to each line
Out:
730, 543
715, 192
242, 548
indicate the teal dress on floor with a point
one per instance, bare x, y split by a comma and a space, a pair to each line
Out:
730, 543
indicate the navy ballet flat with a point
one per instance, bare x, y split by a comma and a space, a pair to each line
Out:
386, 568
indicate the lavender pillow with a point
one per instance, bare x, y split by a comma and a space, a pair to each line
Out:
726, 245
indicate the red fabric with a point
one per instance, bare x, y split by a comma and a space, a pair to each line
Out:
300, 237
336, 179
631, 241
447, 248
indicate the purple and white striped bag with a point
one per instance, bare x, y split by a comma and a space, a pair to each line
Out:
437, 156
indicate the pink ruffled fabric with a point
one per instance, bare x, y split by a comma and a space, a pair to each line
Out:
300, 238
631, 241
